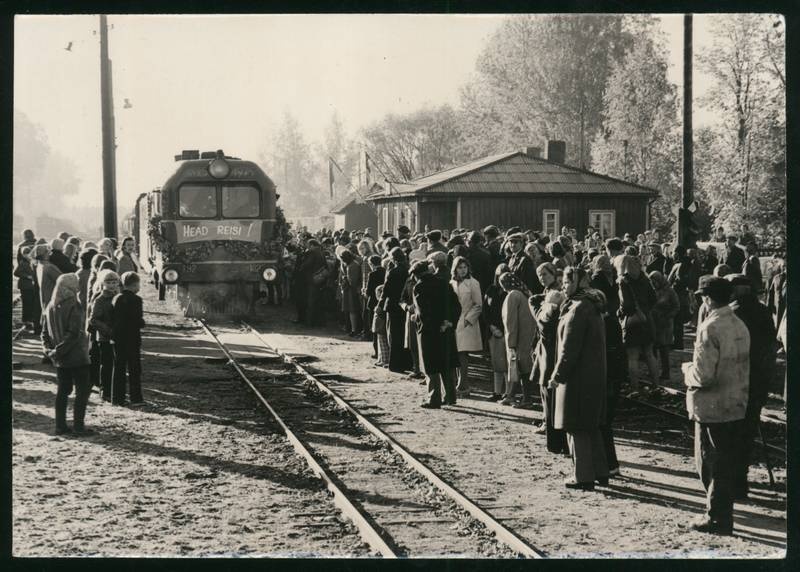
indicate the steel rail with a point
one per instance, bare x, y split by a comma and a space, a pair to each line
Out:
503, 534
368, 532
17, 333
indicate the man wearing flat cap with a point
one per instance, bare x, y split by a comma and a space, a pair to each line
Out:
717, 382
494, 245
763, 347
403, 232
434, 238
521, 264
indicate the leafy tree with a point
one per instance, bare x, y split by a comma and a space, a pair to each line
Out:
406, 147
543, 77
741, 167
640, 138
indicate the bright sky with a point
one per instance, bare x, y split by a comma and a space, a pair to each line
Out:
211, 82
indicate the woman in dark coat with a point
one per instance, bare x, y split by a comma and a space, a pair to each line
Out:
545, 308
399, 356
637, 298
350, 281
616, 358
437, 311
495, 340
681, 278
376, 277
579, 379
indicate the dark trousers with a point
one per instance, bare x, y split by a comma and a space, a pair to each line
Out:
677, 333
607, 431
67, 378
30, 302
745, 449
588, 455
716, 454
435, 383
556, 438
106, 362
399, 356
94, 367
127, 357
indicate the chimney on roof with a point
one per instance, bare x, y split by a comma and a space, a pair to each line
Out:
557, 151
533, 152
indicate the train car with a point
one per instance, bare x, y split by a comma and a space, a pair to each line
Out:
210, 234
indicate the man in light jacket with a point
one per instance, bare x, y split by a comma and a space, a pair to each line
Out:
717, 382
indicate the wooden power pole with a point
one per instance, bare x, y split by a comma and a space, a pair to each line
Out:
109, 143
687, 193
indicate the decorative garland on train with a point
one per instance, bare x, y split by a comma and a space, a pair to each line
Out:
200, 251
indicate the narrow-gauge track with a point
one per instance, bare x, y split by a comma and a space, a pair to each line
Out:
400, 506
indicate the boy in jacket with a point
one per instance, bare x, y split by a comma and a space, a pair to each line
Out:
101, 322
127, 324
65, 343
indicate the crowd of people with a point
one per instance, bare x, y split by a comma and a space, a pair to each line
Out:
568, 322
81, 298
565, 322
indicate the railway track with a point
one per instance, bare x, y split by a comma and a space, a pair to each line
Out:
400, 506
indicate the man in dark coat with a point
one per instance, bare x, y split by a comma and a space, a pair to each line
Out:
521, 264
480, 261
752, 269
434, 238
658, 262
26, 282
733, 256
494, 245
437, 311
757, 318
776, 297
308, 291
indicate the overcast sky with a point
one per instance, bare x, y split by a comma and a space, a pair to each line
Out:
210, 82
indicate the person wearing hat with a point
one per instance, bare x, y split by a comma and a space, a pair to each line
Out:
521, 265
58, 258
403, 232
26, 283
763, 353
658, 262
717, 381
434, 238
733, 256
494, 245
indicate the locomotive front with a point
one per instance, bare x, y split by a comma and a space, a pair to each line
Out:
217, 240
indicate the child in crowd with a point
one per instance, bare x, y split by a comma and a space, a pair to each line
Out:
379, 328
127, 327
101, 322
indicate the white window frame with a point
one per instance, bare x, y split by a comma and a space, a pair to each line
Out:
598, 226
411, 221
385, 220
397, 218
556, 226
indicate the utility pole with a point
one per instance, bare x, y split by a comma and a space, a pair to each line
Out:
687, 192
109, 143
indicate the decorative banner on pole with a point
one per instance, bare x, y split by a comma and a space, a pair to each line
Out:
331, 178
199, 230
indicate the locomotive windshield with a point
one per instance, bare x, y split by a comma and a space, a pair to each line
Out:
197, 201
240, 201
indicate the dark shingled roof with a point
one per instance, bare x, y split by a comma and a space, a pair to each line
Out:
511, 173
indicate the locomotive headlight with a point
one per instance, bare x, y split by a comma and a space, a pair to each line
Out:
269, 274
171, 275
219, 168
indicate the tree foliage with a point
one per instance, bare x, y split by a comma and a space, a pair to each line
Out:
741, 166
640, 136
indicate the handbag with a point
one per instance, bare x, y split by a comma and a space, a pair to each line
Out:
513, 371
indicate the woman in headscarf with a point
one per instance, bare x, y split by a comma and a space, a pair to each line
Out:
396, 276
665, 309
636, 298
579, 379
545, 309
101, 322
468, 331
493, 315
66, 345
616, 357
520, 333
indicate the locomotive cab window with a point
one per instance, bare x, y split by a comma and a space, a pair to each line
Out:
240, 201
197, 201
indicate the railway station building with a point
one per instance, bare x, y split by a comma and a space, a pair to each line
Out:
353, 211
520, 188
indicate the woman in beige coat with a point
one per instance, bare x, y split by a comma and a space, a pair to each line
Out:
468, 331
520, 332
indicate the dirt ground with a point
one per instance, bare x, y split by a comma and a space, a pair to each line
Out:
198, 472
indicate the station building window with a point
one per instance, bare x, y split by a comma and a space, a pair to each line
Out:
385, 221
550, 220
604, 222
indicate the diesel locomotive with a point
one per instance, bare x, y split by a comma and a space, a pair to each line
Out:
211, 234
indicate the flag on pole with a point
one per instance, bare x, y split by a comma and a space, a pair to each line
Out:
367, 169
331, 175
